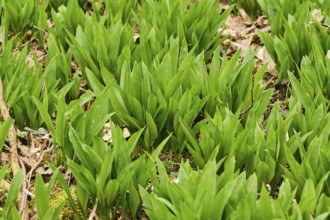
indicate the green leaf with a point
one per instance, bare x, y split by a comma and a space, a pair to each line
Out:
95, 84
42, 199
322, 216
60, 120
45, 116
159, 148
80, 150
53, 213
206, 189
106, 170
3, 171
111, 190
15, 95
151, 132
4, 130
308, 198
191, 137
83, 197
66, 189
133, 140
265, 206
14, 213
301, 92
134, 199
52, 181
84, 178
14, 190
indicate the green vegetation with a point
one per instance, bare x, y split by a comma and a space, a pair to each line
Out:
134, 110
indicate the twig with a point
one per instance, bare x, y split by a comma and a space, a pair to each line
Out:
29, 175
92, 215
27, 161
24, 212
23, 150
11, 135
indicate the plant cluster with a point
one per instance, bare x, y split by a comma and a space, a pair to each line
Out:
154, 67
293, 28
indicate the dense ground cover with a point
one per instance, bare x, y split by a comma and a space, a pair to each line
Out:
163, 109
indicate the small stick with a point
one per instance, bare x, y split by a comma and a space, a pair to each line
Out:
24, 212
92, 215
29, 175
11, 135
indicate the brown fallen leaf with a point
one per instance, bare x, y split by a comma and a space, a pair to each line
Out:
107, 135
44, 170
243, 44
5, 157
262, 22
223, 4
317, 14
245, 16
242, 31
265, 58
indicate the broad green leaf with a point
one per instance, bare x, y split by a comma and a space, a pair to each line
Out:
106, 170
14, 190
3, 171
4, 130
85, 178
308, 198
45, 116
95, 84
42, 198
151, 131
112, 191
81, 153
53, 213
66, 189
